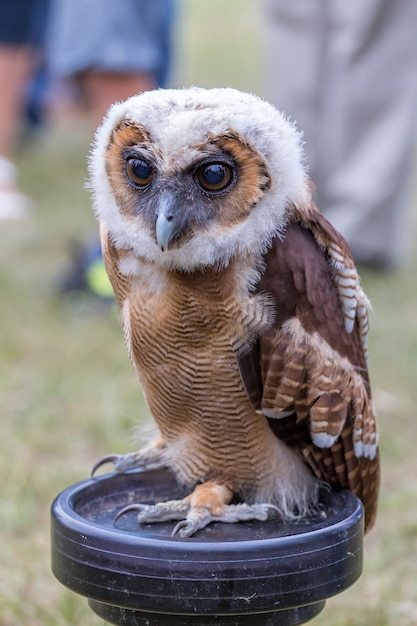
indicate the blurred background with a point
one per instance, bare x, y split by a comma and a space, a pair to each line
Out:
68, 391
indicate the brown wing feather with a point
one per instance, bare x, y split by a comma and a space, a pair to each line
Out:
314, 380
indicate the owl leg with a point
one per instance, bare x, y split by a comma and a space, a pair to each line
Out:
150, 457
209, 502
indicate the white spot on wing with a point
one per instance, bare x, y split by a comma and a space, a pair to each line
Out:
323, 440
366, 450
349, 324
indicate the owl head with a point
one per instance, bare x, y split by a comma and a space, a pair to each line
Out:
191, 178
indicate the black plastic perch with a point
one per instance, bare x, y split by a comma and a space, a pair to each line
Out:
251, 573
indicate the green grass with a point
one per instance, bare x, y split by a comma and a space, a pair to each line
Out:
69, 393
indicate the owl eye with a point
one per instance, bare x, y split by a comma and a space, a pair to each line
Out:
213, 177
139, 172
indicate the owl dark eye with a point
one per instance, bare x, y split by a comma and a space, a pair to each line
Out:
139, 172
214, 177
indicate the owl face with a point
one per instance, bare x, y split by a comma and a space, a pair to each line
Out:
190, 178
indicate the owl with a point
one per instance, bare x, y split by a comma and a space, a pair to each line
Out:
242, 310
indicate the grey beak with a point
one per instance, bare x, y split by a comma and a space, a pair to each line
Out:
166, 229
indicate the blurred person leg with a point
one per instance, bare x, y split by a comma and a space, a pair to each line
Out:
347, 73
103, 88
14, 72
113, 50
20, 33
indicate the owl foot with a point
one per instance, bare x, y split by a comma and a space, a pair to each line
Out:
209, 502
231, 513
150, 457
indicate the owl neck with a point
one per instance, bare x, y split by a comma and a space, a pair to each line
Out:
242, 273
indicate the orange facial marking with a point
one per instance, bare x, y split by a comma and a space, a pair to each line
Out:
124, 136
253, 179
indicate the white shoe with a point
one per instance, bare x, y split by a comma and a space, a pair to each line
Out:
13, 203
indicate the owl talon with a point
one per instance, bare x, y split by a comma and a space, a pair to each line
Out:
186, 528
121, 462
127, 509
271, 508
161, 512
245, 512
108, 458
150, 457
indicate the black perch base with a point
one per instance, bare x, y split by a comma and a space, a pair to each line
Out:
246, 574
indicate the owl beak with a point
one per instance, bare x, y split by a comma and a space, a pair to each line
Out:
166, 229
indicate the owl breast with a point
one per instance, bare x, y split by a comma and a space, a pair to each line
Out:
184, 343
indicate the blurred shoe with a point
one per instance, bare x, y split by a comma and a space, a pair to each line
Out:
13, 203
87, 274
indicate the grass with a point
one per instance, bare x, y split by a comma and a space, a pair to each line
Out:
69, 393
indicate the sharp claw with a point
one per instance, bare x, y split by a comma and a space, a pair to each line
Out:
127, 509
183, 524
108, 458
274, 509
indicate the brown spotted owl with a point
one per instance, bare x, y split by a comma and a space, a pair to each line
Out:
242, 309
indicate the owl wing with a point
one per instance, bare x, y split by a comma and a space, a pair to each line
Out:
308, 373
